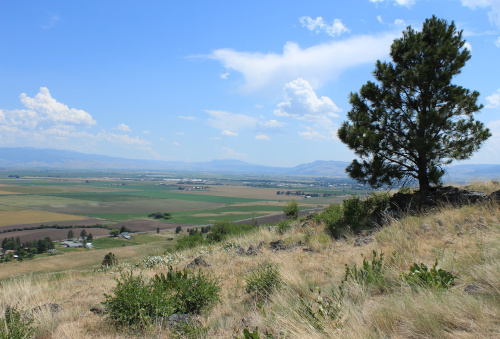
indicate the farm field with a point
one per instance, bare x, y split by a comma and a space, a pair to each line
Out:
32, 216
127, 198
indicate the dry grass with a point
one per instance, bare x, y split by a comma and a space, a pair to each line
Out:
465, 241
483, 186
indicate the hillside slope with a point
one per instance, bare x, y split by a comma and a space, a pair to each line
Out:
375, 301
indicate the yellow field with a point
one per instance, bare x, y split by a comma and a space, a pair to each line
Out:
30, 216
6, 192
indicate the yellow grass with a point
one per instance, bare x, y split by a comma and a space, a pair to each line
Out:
31, 216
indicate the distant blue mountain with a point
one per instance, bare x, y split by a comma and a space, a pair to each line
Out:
34, 158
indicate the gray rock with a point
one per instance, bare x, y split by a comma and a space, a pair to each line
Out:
98, 310
53, 308
252, 250
472, 288
402, 203
361, 241
177, 320
240, 251
199, 261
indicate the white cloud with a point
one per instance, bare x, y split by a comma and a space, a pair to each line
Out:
379, 19
497, 43
493, 100
123, 128
262, 137
399, 22
319, 25
224, 75
318, 64
229, 153
229, 133
146, 132
45, 109
301, 102
468, 46
406, 3
175, 143
186, 118
45, 122
179, 133
492, 5
230, 121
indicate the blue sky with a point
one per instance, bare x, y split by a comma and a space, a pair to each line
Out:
265, 82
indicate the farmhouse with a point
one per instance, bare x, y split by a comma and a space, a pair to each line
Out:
71, 244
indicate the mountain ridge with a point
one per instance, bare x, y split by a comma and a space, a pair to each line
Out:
38, 158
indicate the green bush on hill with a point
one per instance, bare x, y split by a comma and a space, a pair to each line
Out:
140, 302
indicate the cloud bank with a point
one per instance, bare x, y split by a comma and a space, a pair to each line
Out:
318, 64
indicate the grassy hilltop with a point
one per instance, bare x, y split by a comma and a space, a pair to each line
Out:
307, 286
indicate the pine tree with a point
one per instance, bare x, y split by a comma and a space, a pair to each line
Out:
413, 122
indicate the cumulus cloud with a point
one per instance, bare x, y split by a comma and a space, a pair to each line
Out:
262, 137
493, 101
318, 64
301, 102
319, 25
45, 122
43, 109
230, 121
229, 133
224, 75
123, 128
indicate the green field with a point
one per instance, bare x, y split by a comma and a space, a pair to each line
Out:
119, 197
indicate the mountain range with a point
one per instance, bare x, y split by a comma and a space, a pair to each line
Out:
34, 158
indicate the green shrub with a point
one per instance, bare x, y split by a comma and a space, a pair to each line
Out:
283, 226
138, 302
332, 216
263, 281
433, 277
354, 214
190, 293
190, 241
109, 260
15, 325
291, 210
370, 273
220, 230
